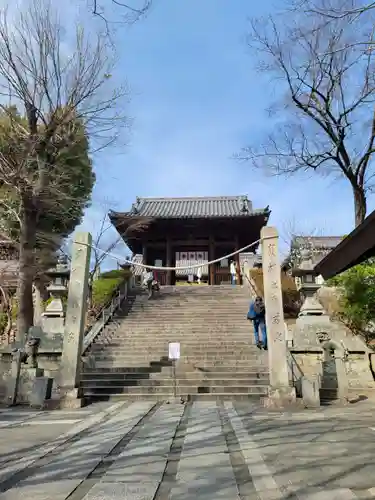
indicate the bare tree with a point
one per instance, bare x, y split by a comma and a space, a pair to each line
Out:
105, 241
292, 232
359, 13
65, 91
298, 237
351, 9
328, 125
129, 12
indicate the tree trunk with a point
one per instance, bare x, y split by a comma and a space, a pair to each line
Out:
25, 316
360, 205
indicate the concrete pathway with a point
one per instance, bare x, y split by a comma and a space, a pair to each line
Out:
146, 451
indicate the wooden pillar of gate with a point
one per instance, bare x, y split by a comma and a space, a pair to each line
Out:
237, 261
211, 256
144, 254
169, 260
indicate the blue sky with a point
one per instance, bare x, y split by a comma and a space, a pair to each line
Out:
196, 100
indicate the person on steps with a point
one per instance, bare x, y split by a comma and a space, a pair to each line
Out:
257, 314
233, 272
199, 275
148, 277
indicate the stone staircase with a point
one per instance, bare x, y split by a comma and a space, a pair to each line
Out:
218, 356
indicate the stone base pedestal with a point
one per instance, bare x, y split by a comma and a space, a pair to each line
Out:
41, 392
20, 385
71, 398
280, 398
310, 392
26, 383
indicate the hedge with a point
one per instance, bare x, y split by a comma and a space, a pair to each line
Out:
104, 287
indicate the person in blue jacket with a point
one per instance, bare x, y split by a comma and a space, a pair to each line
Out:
257, 314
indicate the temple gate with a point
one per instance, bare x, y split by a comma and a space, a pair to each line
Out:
170, 232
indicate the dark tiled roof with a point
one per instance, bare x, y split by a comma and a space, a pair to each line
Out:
317, 241
219, 206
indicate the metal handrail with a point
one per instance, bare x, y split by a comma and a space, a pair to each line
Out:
293, 364
107, 312
295, 375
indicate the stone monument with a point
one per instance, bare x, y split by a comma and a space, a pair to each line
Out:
71, 364
323, 349
280, 393
27, 383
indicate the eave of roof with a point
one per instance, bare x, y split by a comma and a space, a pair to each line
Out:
191, 208
354, 249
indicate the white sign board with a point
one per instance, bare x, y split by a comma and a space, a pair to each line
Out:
174, 350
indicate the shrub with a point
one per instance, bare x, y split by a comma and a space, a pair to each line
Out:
116, 273
290, 294
3, 322
102, 291
357, 287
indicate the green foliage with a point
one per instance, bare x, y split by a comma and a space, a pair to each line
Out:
102, 291
68, 169
3, 322
115, 273
104, 287
357, 286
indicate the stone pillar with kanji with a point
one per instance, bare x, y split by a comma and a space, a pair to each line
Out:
71, 364
280, 393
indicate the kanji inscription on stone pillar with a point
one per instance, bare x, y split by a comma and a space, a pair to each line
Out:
277, 348
76, 311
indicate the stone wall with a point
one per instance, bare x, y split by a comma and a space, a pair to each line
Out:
357, 367
49, 361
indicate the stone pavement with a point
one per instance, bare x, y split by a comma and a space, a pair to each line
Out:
205, 450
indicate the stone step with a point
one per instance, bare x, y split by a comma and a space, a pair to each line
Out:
157, 368
210, 366
180, 382
165, 372
160, 323
191, 301
216, 316
197, 303
185, 344
186, 389
208, 329
256, 398
165, 336
158, 352
187, 332
161, 341
136, 357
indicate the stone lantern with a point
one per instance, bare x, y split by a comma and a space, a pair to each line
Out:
308, 286
58, 288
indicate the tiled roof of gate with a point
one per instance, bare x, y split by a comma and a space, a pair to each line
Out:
218, 206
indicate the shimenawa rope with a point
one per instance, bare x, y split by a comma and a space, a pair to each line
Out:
180, 268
